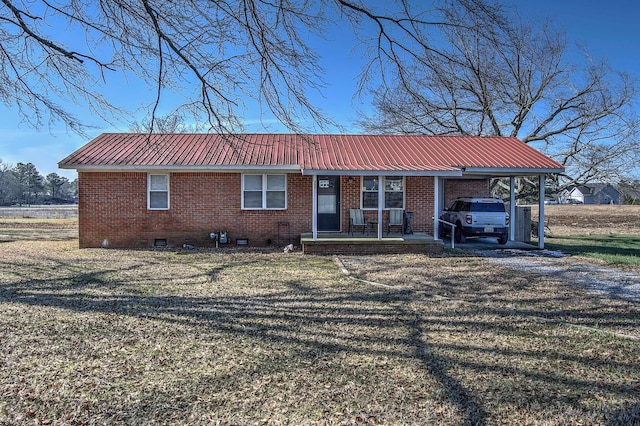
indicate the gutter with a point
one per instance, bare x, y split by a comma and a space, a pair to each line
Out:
178, 168
452, 172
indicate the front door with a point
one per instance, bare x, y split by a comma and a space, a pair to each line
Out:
329, 203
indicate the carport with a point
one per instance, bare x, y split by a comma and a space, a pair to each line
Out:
512, 174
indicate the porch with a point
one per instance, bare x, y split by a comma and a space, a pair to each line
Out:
345, 243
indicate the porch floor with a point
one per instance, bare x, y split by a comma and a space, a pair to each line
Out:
345, 243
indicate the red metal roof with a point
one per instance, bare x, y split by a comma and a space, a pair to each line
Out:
309, 153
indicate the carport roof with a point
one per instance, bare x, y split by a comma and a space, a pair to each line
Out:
312, 154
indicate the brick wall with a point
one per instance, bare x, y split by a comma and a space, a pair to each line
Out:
113, 210
350, 199
420, 202
454, 188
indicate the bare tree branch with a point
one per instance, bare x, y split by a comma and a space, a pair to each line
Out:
216, 54
515, 79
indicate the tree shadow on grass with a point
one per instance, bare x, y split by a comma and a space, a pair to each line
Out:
290, 318
566, 294
329, 320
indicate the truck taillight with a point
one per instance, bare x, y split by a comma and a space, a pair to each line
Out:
467, 219
506, 220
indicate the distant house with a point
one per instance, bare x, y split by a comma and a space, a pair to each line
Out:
595, 193
139, 190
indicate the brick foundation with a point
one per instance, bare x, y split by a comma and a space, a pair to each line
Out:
433, 247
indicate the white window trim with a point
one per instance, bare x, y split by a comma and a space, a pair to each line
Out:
149, 191
362, 191
265, 191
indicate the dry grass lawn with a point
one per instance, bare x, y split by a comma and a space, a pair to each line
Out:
137, 337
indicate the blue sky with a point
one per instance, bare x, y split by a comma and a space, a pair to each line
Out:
608, 30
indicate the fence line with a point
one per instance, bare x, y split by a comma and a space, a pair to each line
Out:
40, 212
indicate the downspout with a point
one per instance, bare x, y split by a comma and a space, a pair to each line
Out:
380, 206
541, 212
314, 208
512, 208
436, 207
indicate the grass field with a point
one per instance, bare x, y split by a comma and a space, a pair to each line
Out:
615, 249
607, 233
110, 336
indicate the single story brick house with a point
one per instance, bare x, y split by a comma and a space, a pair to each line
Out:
140, 190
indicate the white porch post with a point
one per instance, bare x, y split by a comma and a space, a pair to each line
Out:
380, 206
512, 208
541, 212
314, 208
436, 207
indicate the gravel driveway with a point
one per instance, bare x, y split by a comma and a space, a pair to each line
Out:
612, 282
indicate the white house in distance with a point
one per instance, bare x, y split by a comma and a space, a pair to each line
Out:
595, 193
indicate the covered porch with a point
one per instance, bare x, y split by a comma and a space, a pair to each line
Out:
423, 197
416, 178
387, 203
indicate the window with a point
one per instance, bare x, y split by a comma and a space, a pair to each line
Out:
267, 192
393, 192
393, 187
158, 192
369, 192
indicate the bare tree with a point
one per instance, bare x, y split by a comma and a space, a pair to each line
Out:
214, 52
509, 78
172, 123
630, 190
9, 186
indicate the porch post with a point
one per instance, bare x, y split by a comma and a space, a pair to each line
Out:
380, 206
541, 212
436, 207
512, 208
314, 208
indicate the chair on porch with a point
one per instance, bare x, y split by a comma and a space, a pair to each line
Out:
396, 218
356, 218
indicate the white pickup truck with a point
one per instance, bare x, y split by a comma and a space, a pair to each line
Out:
476, 217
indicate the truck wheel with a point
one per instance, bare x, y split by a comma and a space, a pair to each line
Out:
503, 239
458, 234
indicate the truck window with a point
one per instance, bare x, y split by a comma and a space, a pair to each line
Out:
487, 207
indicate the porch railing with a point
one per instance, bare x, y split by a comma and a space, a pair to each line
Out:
453, 231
